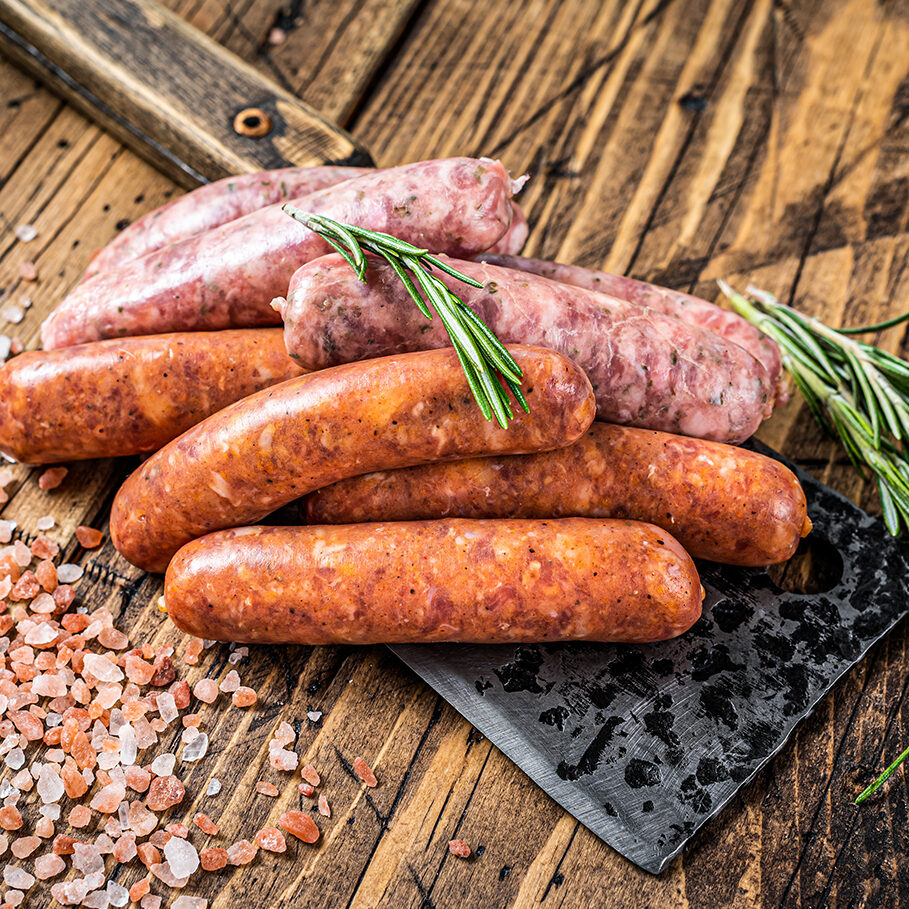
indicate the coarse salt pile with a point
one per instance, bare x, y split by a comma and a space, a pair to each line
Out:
72, 682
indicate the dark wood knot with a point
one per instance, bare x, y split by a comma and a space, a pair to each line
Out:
253, 122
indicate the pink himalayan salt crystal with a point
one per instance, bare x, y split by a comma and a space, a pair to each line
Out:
112, 639
138, 670
107, 800
189, 902
324, 808
23, 779
205, 823
150, 901
87, 858
48, 865
13, 898
49, 686
4, 843
177, 829
167, 707
125, 848
193, 649
79, 816
141, 820
241, 853
182, 856
43, 604
102, 668
22, 554
271, 839
50, 787
311, 775
231, 682
52, 477
17, 877
284, 734
69, 893
165, 792
163, 872
137, 778
281, 759
206, 690
25, 846
44, 828
265, 788
244, 697
145, 733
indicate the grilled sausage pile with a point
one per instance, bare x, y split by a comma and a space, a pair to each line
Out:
419, 520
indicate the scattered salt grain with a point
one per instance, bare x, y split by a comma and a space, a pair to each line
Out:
188, 734
52, 478
50, 811
182, 856
281, 759
107, 800
13, 897
26, 232
163, 872
206, 690
314, 716
284, 734
189, 902
167, 708
87, 858
150, 901
41, 634
119, 896
17, 877
12, 313
15, 759
277, 36
163, 764
6, 530
68, 572
239, 654
128, 749
241, 853
50, 786
103, 669
49, 865
231, 682
459, 848
243, 697
28, 271
214, 787
45, 522
97, 900
197, 748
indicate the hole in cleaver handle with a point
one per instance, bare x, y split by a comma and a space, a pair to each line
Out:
166, 90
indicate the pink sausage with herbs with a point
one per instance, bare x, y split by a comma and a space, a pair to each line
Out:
263, 452
647, 369
211, 206
227, 277
674, 303
488, 582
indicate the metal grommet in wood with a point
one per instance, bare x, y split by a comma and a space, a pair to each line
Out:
253, 122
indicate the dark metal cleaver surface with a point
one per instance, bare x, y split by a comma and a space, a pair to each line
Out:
644, 744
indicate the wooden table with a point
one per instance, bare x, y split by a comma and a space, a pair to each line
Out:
676, 142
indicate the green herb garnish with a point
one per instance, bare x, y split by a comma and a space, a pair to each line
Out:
857, 392
482, 355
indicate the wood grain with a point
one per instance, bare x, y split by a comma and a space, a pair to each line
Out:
165, 89
679, 142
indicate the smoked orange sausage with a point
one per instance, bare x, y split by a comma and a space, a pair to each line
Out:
113, 398
263, 452
490, 582
722, 503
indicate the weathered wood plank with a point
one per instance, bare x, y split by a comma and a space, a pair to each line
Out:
688, 141
168, 91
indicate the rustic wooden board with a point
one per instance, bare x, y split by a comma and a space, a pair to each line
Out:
674, 141
166, 90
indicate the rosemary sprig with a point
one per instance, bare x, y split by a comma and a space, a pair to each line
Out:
870, 790
856, 391
482, 355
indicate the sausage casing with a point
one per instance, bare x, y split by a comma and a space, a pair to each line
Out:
215, 204
677, 304
132, 396
647, 369
722, 503
263, 452
575, 579
227, 277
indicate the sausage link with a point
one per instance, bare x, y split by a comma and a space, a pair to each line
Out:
227, 277
682, 306
489, 582
515, 237
273, 447
211, 206
721, 503
647, 369
126, 397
